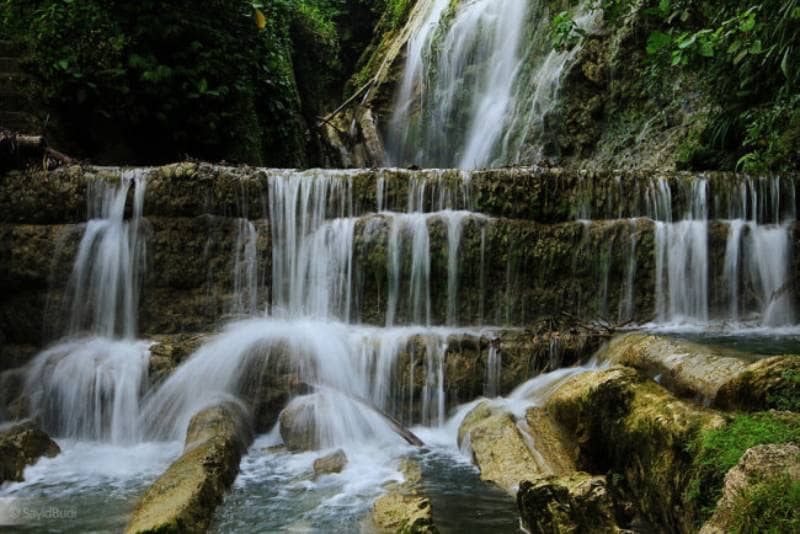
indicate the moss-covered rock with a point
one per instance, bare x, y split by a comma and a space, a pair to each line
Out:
404, 509
576, 503
183, 499
772, 383
683, 367
633, 427
22, 445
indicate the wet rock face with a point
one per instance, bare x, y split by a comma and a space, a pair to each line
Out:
22, 445
631, 426
330, 464
759, 464
570, 504
404, 508
183, 499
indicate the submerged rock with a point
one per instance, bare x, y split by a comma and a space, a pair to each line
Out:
772, 383
405, 509
22, 445
683, 367
634, 428
184, 498
508, 451
332, 463
574, 503
759, 464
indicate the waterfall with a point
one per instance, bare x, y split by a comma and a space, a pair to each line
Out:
750, 282
90, 387
477, 85
494, 368
245, 269
627, 303
104, 285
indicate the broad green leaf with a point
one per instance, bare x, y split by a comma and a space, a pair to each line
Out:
657, 41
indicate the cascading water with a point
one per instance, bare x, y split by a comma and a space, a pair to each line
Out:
86, 390
751, 284
104, 286
89, 386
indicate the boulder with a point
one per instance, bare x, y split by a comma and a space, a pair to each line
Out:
759, 464
631, 426
330, 464
508, 451
184, 498
772, 383
404, 508
298, 425
687, 369
22, 445
575, 503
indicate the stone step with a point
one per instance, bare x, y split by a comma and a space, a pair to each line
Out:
9, 64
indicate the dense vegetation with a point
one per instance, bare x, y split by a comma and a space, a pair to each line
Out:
152, 81
246, 80
748, 56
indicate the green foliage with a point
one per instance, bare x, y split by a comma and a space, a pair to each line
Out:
771, 507
749, 54
718, 450
565, 33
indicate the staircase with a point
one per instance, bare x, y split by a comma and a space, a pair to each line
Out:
15, 112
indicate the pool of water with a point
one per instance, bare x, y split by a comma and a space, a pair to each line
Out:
276, 490
88, 488
461, 501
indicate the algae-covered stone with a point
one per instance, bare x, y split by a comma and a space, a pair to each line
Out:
772, 383
332, 463
631, 426
183, 499
22, 445
759, 464
508, 451
683, 367
578, 503
405, 509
